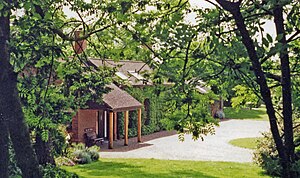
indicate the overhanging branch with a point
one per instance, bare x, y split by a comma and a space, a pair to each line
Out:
60, 33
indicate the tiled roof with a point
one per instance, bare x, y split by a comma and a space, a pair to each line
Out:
119, 100
127, 70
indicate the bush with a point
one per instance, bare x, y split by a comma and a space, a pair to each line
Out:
94, 152
83, 155
94, 155
56, 172
266, 156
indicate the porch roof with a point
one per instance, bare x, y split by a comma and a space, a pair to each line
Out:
119, 100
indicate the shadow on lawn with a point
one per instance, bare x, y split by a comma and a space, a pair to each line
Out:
117, 169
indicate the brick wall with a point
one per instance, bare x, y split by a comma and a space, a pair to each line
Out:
75, 128
87, 118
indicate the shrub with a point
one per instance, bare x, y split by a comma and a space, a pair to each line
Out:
266, 156
94, 155
83, 155
94, 152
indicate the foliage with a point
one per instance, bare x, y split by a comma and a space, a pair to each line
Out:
166, 168
224, 46
189, 113
52, 86
56, 172
266, 155
82, 157
81, 154
151, 122
249, 143
244, 96
54, 81
179, 58
163, 113
212, 50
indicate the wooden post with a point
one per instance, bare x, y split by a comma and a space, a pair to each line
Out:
115, 125
126, 128
139, 125
110, 142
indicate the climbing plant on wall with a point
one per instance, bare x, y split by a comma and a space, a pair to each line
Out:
151, 119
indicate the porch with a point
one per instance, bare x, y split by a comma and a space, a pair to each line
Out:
103, 118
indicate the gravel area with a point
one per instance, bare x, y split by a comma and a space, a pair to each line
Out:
213, 148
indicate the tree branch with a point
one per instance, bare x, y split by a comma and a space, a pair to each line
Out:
69, 38
292, 38
273, 76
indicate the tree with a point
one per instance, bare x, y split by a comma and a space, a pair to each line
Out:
224, 42
285, 149
244, 96
12, 118
39, 45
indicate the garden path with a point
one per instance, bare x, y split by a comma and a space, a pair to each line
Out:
213, 148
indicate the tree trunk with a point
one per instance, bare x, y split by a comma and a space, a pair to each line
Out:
10, 106
234, 9
286, 89
4, 155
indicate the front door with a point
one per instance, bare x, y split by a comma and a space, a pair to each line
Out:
100, 124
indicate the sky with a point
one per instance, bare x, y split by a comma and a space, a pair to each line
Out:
269, 25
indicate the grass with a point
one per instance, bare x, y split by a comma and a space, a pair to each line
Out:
147, 168
255, 113
249, 143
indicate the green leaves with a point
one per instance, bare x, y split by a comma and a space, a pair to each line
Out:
270, 39
244, 96
45, 135
267, 41
27, 6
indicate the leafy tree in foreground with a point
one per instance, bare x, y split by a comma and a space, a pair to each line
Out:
39, 45
230, 41
229, 38
12, 118
275, 11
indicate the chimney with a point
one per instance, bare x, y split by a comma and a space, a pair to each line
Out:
79, 46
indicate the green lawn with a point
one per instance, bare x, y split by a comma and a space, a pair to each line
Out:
255, 113
146, 168
249, 143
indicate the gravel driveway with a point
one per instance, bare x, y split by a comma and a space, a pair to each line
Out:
213, 148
